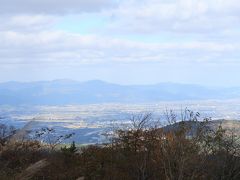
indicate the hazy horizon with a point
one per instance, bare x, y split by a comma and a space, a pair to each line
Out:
122, 84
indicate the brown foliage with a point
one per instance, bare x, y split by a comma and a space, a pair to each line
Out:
183, 150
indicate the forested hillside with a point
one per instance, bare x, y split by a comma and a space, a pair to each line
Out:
185, 149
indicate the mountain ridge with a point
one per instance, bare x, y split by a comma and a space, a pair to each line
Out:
59, 92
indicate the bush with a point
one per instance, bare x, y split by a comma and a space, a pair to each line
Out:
188, 149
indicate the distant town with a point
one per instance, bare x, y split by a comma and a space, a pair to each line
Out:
93, 120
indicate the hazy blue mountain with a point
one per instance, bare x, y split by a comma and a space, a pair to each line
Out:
61, 92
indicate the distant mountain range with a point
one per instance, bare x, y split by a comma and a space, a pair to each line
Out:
60, 92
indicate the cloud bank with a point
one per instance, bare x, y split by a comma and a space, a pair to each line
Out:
58, 7
119, 32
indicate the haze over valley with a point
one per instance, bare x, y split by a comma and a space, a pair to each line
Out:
90, 108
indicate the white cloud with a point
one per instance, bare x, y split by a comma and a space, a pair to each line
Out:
27, 36
27, 23
177, 16
56, 47
52, 6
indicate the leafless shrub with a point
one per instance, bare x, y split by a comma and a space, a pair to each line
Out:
50, 138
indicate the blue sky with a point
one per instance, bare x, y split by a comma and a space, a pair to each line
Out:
126, 42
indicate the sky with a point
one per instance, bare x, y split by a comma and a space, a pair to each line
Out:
121, 41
